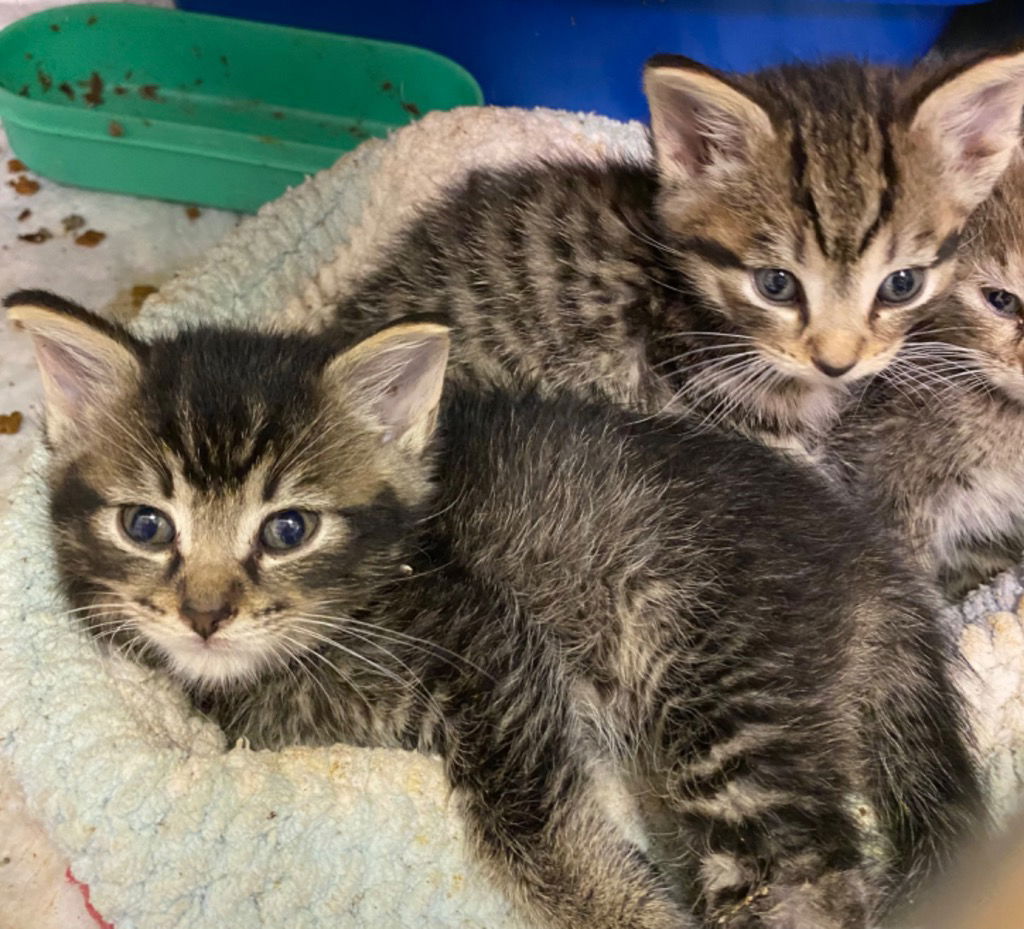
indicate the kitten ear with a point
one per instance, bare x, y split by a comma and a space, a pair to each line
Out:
700, 123
972, 117
395, 378
85, 362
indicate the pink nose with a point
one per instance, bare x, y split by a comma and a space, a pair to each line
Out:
832, 370
205, 622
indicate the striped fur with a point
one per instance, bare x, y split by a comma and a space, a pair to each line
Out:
636, 282
551, 596
936, 444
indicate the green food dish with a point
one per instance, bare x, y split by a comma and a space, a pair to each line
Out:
203, 109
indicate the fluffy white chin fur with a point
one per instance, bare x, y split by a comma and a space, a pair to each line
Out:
816, 400
818, 380
215, 662
1012, 385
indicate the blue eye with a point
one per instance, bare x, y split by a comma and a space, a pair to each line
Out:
146, 525
776, 285
901, 286
1003, 302
287, 529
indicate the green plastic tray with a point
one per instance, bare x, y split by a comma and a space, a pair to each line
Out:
202, 109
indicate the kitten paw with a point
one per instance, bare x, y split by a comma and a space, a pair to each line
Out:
838, 900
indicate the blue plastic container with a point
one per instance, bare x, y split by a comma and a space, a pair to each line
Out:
588, 55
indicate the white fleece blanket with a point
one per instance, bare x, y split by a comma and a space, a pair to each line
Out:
167, 828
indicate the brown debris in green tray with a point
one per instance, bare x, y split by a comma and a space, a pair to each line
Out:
149, 92
115, 129
91, 21
411, 108
66, 89
55, 27
45, 81
95, 95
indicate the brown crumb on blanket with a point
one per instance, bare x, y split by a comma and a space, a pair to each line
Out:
139, 294
10, 423
24, 185
38, 237
90, 238
73, 222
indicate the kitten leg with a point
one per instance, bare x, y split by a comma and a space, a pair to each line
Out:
922, 775
762, 797
523, 769
978, 563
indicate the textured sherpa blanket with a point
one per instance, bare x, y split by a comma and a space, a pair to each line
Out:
171, 830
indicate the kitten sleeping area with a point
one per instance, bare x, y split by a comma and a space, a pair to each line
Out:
297, 841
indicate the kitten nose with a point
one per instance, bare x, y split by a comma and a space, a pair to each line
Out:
832, 370
205, 622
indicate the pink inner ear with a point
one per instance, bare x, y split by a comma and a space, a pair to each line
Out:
984, 115
681, 139
695, 134
69, 372
405, 389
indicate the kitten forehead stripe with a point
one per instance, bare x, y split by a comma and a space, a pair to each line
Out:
885, 200
271, 484
721, 256
947, 249
802, 188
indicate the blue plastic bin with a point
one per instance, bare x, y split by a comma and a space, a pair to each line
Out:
588, 56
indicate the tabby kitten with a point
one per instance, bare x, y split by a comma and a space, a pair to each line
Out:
938, 443
785, 237
547, 594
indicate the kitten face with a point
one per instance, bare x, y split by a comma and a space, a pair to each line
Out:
221, 500
225, 578
817, 210
983, 321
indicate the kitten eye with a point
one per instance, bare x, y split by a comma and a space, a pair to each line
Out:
287, 529
146, 525
1002, 301
776, 285
901, 286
